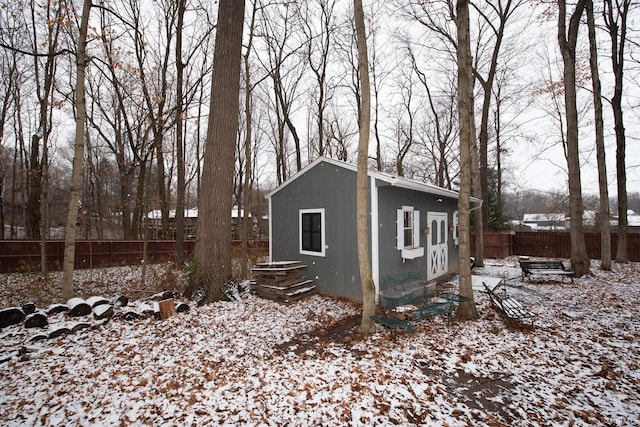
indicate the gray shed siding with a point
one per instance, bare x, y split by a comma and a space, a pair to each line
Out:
334, 189
390, 199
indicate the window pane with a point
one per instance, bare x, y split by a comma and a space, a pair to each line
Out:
408, 238
443, 231
434, 232
408, 219
408, 229
312, 232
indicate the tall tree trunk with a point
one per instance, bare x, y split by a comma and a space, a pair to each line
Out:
567, 39
180, 191
44, 212
476, 185
213, 245
247, 144
362, 200
78, 156
615, 18
466, 310
138, 213
163, 197
34, 189
604, 214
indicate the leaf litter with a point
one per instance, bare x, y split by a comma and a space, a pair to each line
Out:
258, 362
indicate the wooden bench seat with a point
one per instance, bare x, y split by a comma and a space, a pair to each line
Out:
508, 305
548, 267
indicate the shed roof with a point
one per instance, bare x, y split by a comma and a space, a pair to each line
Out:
393, 180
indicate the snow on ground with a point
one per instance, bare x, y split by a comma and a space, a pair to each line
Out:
257, 363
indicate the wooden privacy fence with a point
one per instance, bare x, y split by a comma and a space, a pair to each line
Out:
24, 255
551, 244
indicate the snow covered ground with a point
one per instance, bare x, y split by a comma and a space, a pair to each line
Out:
263, 363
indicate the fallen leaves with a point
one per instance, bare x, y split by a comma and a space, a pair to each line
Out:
221, 363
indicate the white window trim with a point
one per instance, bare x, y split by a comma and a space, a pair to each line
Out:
409, 252
322, 252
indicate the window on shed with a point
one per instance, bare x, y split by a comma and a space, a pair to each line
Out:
408, 228
312, 233
408, 235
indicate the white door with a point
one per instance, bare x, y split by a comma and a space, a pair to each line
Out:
437, 247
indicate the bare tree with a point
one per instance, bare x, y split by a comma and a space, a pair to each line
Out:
440, 19
78, 154
243, 201
180, 191
466, 310
379, 73
44, 69
9, 75
436, 140
616, 19
406, 117
567, 40
154, 82
283, 67
213, 245
339, 133
362, 208
118, 117
604, 213
503, 10
318, 41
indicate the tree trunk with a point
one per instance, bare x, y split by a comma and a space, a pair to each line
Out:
213, 245
247, 144
44, 212
78, 157
567, 39
476, 186
604, 214
34, 190
138, 214
615, 18
180, 191
466, 310
163, 199
362, 200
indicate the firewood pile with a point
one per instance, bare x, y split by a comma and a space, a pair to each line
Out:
282, 281
78, 313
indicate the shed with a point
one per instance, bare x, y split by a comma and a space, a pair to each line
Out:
312, 218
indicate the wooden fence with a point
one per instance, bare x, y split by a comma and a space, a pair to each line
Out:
551, 244
24, 255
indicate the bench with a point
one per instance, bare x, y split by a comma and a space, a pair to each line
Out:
401, 289
556, 268
508, 305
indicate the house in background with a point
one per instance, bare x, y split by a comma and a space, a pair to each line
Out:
633, 222
562, 222
256, 230
312, 218
546, 222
